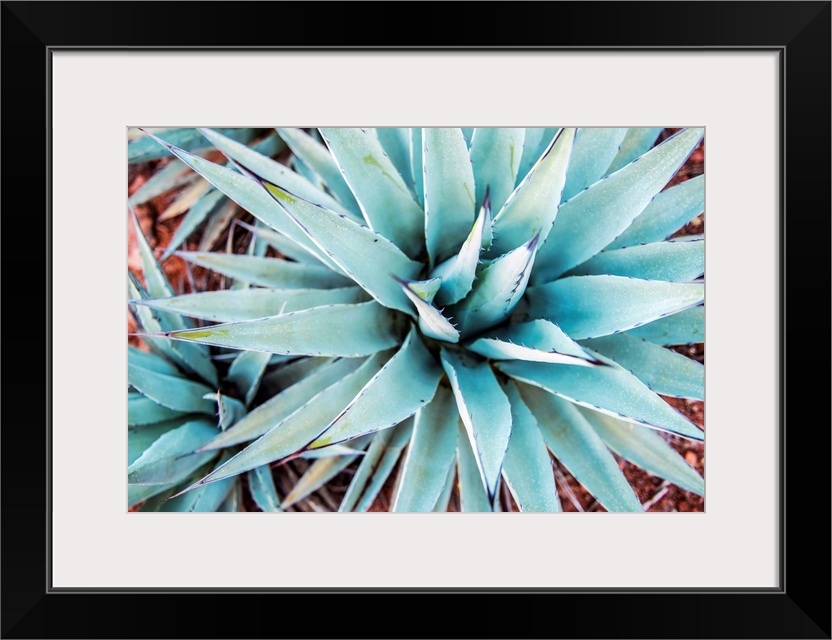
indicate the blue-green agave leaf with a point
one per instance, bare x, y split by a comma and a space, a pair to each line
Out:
189, 139
669, 261
174, 175
250, 195
252, 304
267, 272
458, 273
273, 171
301, 167
271, 145
449, 191
190, 357
581, 450
596, 216
140, 438
154, 496
318, 474
396, 142
393, 450
213, 205
532, 141
349, 330
609, 389
283, 244
484, 409
430, 454
282, 405
531, 209
368, 464
233, 502
670, 210
263, 491
500, 286
166, 460
172, 392
318, 158
136, 290
154, 503
367, 257
258, 245
471, 489
246, 372
425, 289
594, 150
331, 451
468, 134
536, 341
527, 468
185, 200
592, 306
195, 217
664, 371
407, 382
301, 427
194, 358
150, 361
137, 493
156, 282
218, 221
144, 316
444, 499
490, 148
647, 449
637, 142
292, 372
431, 321
202, 500
142, 410
534, 144
378, 187
685, 327
416, 164
229, 409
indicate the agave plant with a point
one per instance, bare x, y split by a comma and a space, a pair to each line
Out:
465, 305
195, 199
171, 407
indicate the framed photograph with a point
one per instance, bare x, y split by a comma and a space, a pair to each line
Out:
84, 80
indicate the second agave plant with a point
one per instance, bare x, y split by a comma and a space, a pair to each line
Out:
450, 311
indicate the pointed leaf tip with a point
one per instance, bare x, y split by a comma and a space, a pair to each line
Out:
533, 205
431, 320
501, 285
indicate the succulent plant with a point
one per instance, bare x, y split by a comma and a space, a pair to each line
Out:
195, 199
465, 305
174, 406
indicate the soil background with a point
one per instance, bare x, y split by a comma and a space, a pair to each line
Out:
656, 494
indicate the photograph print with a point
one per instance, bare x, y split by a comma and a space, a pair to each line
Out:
415, 319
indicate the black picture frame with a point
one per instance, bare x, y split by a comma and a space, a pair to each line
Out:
798, 608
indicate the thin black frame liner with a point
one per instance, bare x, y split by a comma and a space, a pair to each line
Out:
798, 608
